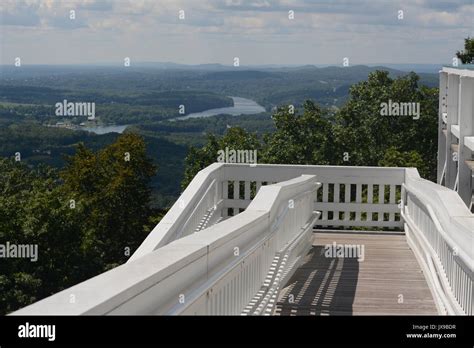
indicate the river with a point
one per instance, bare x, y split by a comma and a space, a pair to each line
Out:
242, 106
105, 129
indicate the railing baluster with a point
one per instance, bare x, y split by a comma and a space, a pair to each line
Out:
236, 195
247, 190
370, 200
358, 200
336, 200
347, 199
381, 201
325, 199
391, 216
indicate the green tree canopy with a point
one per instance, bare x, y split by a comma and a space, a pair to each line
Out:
34, 211
395, 158
366, 135
300, 138
358, 134
235, 138
467, 56
83, 220
112, 186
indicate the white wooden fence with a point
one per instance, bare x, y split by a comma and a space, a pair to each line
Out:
456, 132
440, 231
350, 197
215, 271
220, 250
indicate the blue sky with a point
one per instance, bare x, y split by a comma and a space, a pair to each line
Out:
216, 31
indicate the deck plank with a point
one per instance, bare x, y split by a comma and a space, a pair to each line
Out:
388, 281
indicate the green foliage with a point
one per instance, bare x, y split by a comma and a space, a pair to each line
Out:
300, 138
120, 98
235, 138
193, 131
112, 186
37, 103
34, 210
45, 145
315, 136
84, 219
365, 135
467, 56
395, 158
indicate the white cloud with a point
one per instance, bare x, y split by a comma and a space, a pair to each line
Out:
259, 29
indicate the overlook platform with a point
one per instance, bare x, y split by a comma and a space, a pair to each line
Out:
388, 281
240, 240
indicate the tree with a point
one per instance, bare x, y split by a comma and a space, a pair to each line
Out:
86, 219
366, 135
112, 187
235, 138
35, 211
300, 138
395, 158
467, 56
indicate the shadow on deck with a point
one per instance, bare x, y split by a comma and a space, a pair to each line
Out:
387, 280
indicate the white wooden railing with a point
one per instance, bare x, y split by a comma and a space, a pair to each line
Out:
440, 231
237, 233
350, 197
186, 215
215, 271
456, 131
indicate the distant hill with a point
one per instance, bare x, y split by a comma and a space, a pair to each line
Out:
418, 68
146, 94
268, 86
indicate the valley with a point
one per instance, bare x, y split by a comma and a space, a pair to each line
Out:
148, 100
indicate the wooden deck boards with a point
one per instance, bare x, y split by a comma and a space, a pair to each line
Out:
470, 164
343, 286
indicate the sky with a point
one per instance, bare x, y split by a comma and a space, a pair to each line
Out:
216, 31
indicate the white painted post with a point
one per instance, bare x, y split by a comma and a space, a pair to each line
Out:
466, 115
443, 89
452, 110
370, 200
236, 195
336, 200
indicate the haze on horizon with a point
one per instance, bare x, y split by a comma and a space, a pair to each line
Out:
259, 32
